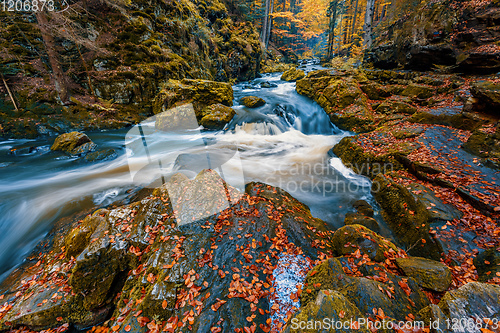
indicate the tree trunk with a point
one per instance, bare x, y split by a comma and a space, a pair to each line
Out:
332, 13
60, 80
269, 23
9, 92
367, 29
347, 23
264, 35
354, 20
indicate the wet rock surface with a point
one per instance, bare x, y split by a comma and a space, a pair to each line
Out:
252, 101
428, 273
74, 143
155, 269
293, 75
432, 157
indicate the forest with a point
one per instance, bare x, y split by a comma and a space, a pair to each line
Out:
250, 166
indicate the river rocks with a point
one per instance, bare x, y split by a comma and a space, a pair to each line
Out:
433, 36
364, 208
366, 221
428, 273
330, 307
374, 90
268, 85
101, 155
365, 293
74, 143
418, 91
252, 101
487, 94
350, 238
200, 93
475, 299
408, 218
216, 116
177, 119
78, 239
139, 258
39, 313
487, 264
339, 94
389, 107
97, 267
293, 75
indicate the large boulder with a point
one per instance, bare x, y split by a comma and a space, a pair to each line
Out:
339, 94
216, 116
410, 213
487, 94
293, 75
428, 273
74, 143
200, 93
351, 238
252, 101
366, 292
473, 300
329, 308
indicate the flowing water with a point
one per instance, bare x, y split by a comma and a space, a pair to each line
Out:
285, 143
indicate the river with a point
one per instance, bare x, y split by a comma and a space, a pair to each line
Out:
285, 143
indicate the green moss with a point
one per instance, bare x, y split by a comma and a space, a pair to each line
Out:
364, 163
350, 238
78, 239
459, 121
409, 219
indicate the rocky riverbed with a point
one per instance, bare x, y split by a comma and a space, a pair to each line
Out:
430, 149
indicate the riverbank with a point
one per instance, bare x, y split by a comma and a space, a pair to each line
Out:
137, 268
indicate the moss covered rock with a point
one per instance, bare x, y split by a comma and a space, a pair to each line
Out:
418, 91
408, 133
475, 299
216, 116
339, 94
428, 273
375, 91
408, 218
293, 75
177, 119
366, 221
487, 264
389, 107
350, 238
366, 294
97, 267
252, 101
200, 93
74, 143
329, 308
101, 155
78, 239
364, 208
487, 94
